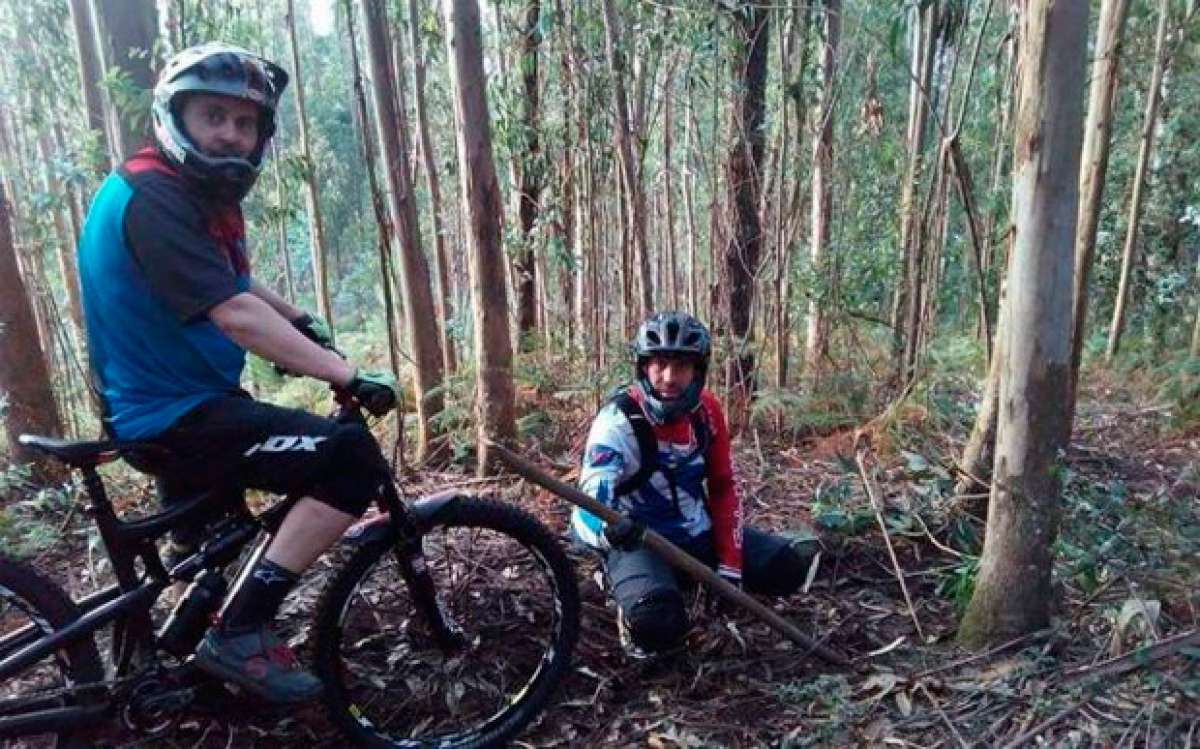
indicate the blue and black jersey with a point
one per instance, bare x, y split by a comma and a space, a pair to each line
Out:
155, 256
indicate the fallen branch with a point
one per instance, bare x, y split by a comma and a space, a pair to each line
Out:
1136, 659
670, 553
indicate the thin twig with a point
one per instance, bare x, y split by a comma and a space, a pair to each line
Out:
877, 505
1050, 722
1022, 640
937, 706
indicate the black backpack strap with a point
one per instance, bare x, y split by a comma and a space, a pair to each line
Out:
701, 430
647, 443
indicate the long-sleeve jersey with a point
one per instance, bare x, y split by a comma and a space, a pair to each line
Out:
690, 493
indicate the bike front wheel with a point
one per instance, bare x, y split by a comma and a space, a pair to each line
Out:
503, 579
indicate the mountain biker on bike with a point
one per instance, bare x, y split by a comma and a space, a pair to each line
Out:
171, 311
659, 452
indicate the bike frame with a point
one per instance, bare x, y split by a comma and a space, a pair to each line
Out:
129, 601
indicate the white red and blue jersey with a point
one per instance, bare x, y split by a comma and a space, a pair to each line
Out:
693, 492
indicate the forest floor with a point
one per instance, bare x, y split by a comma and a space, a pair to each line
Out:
1117, 667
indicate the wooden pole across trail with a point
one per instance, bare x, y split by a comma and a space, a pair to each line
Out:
674, 556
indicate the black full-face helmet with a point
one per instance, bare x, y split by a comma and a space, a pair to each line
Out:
672, 334
215, 68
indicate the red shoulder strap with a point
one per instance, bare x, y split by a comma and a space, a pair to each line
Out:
149, 160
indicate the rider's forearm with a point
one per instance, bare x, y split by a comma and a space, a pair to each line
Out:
278, 303
255, 326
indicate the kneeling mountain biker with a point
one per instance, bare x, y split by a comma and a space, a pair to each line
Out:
659, 452
172, 308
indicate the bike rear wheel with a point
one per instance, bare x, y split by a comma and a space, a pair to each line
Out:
503, 579
31, 607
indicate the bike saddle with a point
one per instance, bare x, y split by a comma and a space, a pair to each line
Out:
85, 454
76, 454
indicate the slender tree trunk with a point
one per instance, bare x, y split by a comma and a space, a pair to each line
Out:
530, 169
1096, 134
383, 244
130, 28
24, 378
282, 222
433, 184
921, 71
672, 291
312, 202
744, 169
64, 247
1012, 590
822, 194
91, 72
1149, 123
631, 173
689, 188
494, 401
417, 293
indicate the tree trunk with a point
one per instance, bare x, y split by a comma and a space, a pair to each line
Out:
91, 71
689, 210
289, 284
1149, 125
529, 163
24, 378
744, 169
417, 292
631, 173
670, 286
1012, 590
312, 202
1095, 162
920, 71
131, 27
822, 194
494, 397
383, 244
433, 184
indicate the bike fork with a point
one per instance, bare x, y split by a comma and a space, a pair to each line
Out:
413, 568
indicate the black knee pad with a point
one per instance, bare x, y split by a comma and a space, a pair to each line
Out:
657, 621
785, 571
355, 470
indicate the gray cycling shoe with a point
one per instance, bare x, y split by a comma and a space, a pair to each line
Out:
259, 662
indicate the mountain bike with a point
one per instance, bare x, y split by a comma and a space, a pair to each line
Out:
449, 623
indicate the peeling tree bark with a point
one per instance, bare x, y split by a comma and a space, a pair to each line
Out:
1012, 591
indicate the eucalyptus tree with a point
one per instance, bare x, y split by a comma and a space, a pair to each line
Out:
1094, 168
1012, 593
482, 204
445, 293
1145, 148
129, 29
817, 341
312, 191
24, 378
751, 32
91, 74
416, 291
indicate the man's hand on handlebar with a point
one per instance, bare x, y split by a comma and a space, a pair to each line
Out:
377, 392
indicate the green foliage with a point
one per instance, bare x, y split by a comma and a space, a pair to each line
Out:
838, 507
829, 695
31, 519
1180, 389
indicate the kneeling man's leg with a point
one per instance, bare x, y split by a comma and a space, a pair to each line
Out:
776, 565
649, 599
